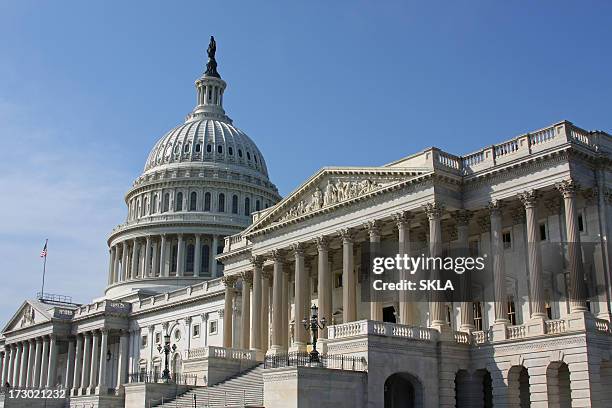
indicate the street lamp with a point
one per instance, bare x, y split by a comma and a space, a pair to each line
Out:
314, 324
166, 350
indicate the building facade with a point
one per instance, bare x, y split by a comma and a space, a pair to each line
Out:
212, 263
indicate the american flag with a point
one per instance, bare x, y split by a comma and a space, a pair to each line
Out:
43, 253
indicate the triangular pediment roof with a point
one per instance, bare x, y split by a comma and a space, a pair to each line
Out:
30, 313
331, 188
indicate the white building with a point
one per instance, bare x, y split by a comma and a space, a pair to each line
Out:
535, 332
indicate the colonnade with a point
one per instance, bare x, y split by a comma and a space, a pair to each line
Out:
153, 256
30, 363
298, 257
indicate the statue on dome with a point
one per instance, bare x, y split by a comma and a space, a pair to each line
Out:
211, 65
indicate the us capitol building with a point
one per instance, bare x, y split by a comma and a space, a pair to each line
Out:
211, 275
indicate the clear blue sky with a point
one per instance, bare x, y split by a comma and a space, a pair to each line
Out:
86, 88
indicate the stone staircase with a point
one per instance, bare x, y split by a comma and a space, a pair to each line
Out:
242, 390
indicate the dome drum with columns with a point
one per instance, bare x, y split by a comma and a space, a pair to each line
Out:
201, 182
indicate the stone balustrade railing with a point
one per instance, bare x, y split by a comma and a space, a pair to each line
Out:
183, 217
481, 336
221, 352
369, 327
516, 332
603, 325
555, 326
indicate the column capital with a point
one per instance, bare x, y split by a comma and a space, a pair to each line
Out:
373, 227
277, 255
433, 210
484, 223
494, 206
298, 249
187, 320
347, 235
266, 275
229, 280
221, 312
257, 261
247, 276
529, 198
463, 217
322, 243
402, 218
568, 188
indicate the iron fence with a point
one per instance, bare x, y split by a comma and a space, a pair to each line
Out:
156, 377
303, 359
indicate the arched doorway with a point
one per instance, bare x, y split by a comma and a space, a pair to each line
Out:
518, 387
177, 366
473, 390
403, 390
558, 385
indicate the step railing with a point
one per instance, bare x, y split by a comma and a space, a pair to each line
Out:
304, 359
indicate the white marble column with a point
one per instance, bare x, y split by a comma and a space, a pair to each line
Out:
373, 228
5, 365
111, 264
30, 367
180, 256
436, 307
265, 310
245, 328
536, 292
117, 265
134, 267
52, 361
69, 377
499, 273
147, 260
23, 368
277, 303
124, 257
102, 388
256, 324
286, 306
122, 365
17, 364
407, 309
95, 362
8, 371
466, 306
155, 260
577, 289
197, 255
324, 284
86, 368
78, 365
229, 282
349, 294
44, 362
300, 298
212, 256
163, 271
37, 364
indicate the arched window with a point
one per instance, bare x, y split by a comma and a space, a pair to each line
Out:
255, 157
248, 156
247, 206
198, 148
179, 202
189, 259
240, 152
219, 149
166, 204
154, 204
209, 148
139, 209
207, 202
230, 151
221, 206
144, 206
234, 204
193, 199
187, 147
205, 259
257, 205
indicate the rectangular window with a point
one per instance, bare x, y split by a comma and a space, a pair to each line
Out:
478, 315
543, 232
580, 223
196, 330
157, 338
144, 341
511, 311
507, 239
213, 327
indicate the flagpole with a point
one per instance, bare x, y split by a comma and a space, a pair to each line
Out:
42, 290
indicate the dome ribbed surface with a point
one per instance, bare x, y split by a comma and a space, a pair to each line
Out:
207, 141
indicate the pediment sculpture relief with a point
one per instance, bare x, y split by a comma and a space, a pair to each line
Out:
27, 318
334, 192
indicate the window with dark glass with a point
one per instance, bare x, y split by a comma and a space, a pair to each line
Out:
511, 310
230, 151
477, 307
248, 156
221, 203
207, 202
209, 148
189, 258
239, 152
542, 232
193, 200
257, 205
205, 258
234, 204
507, 239
198, 148
247, 206
580, 223
173, 258
166, 204
219, 149
179, 202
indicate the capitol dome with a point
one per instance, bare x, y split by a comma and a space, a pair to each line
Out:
202, 182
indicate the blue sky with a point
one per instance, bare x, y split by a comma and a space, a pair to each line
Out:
86, 88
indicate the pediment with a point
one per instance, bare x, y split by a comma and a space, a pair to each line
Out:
29, 314
330, 188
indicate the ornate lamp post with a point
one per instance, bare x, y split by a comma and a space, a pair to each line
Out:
314, 324
166, 350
